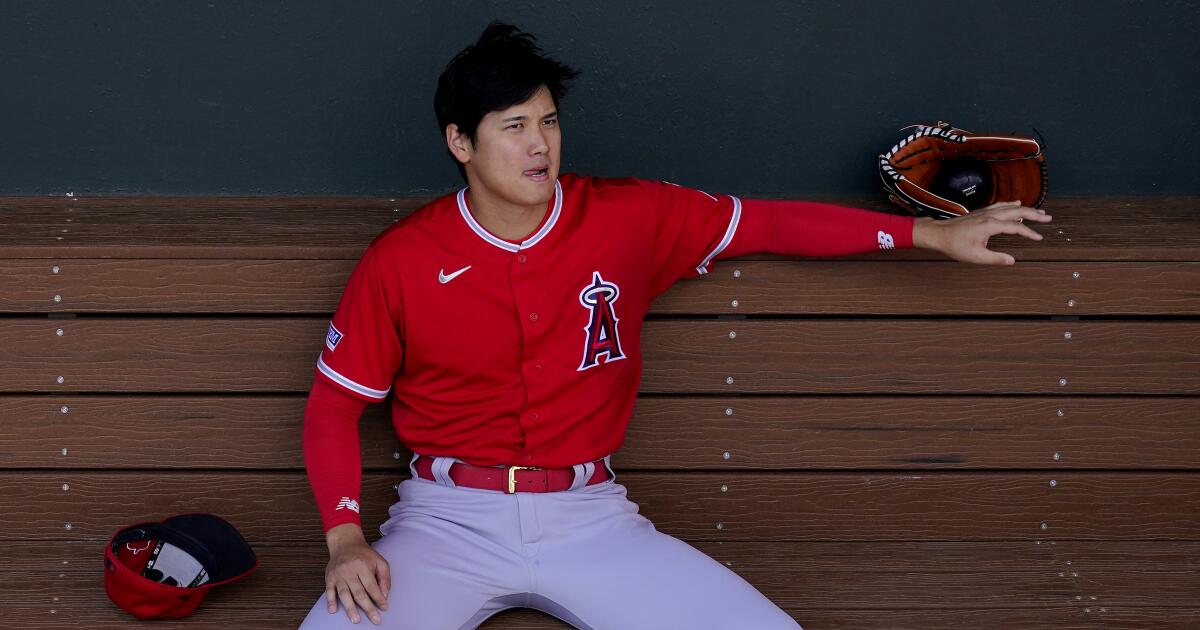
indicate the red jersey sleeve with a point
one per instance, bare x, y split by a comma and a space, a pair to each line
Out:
363, 349
691, 228
806, 228
333, 453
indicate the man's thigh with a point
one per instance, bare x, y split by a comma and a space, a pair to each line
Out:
623, 574
443, 576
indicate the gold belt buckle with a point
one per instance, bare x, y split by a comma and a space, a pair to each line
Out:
512, 476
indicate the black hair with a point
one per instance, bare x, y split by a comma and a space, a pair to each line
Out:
504, 68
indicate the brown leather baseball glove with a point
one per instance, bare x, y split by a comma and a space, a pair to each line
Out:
944, 172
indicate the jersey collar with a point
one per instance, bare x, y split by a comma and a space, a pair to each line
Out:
501, 243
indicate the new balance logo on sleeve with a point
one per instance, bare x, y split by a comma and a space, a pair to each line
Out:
348, 504
885, 240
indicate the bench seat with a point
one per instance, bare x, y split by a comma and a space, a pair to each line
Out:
886, 440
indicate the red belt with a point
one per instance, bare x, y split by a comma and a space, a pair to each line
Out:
510, 479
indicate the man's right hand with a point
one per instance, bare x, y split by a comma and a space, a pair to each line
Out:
356, 574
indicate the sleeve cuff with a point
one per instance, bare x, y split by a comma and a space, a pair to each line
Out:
342, 517
359, 390
702, 268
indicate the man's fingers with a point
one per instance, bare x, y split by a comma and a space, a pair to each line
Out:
363, 599
378, 596
1029, 232
1018, 212
348, 602
331, 595
1012, 227
384, 574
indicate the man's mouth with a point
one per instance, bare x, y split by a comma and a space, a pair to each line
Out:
538, 174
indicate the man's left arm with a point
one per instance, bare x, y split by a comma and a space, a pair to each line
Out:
804, 228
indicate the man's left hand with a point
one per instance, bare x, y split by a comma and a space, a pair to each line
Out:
965, 238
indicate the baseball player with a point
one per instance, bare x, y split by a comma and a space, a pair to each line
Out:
505, 322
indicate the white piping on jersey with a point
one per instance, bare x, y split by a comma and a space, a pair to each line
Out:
501, 243
733, 223
349, 384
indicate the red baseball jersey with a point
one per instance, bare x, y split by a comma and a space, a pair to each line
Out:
503, 352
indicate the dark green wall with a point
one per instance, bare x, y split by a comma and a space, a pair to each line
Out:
771, 98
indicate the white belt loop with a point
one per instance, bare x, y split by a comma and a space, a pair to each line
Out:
441, 471
608, 465
412, 465
583, 472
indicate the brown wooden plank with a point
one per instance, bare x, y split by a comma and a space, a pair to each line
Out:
1134, 618
677, 432
1084, 228
277, 507
1135, 574
197, 227
173, 286
805, 287
956, 356
888, 287
157, 354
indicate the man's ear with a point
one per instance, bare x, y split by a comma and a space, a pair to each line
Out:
458, 143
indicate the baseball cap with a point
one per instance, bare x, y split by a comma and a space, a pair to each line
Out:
164, 570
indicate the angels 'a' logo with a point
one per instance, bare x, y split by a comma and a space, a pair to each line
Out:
601, 329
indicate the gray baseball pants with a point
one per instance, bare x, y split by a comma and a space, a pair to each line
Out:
459, 555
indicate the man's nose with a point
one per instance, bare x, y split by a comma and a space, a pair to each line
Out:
538, 144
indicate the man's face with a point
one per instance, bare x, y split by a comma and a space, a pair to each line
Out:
515, 156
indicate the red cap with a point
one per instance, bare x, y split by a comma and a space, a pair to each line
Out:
164, 570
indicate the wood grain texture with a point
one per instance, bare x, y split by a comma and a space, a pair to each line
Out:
665, 433
1132, 573
158, 354
793, 287
839, 584
759, 506
1084, 228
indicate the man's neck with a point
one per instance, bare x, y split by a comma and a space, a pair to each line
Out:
508, 221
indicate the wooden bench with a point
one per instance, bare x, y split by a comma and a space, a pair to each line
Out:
888, 440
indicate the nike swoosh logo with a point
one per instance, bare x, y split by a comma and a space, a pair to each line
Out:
443, 278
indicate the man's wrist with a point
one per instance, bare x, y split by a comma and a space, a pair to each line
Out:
924, 233
341, 535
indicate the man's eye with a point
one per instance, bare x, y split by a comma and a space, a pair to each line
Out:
513, 126
551, 122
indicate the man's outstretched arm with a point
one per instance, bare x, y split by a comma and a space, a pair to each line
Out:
805, 228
